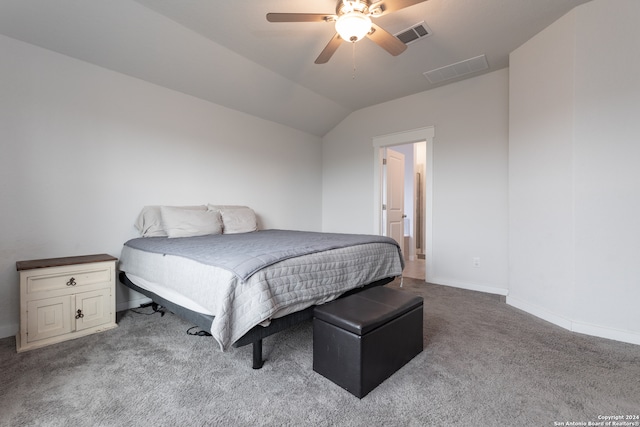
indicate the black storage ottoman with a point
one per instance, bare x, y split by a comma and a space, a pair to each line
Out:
361, 340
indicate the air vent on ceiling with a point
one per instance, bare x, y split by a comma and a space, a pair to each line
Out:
458, 69
415, 33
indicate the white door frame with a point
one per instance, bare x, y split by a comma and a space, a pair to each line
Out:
401, 138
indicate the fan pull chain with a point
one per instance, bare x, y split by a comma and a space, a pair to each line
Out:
354, 60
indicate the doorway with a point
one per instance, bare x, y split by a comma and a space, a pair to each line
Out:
416, 147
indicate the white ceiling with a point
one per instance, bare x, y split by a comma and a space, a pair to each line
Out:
226, 52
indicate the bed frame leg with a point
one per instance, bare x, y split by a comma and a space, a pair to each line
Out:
257, 354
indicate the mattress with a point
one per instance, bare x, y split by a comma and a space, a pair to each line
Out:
284, 287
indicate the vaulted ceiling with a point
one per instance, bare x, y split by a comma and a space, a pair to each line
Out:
227, 53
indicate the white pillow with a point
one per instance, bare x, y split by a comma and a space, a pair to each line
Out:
236, 219
180, 222
149, 221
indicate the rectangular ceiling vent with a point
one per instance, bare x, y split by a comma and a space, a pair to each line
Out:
415, 33
458, 69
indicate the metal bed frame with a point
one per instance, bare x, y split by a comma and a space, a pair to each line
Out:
257, 333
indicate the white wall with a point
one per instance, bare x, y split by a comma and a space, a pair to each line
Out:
469, 175
574, 180
540, 169
84, 148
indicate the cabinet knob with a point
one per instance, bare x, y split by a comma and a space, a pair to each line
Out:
71, 282
79, 314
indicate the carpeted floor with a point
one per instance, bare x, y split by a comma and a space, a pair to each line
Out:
484, 363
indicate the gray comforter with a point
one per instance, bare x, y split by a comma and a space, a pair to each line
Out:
246, 253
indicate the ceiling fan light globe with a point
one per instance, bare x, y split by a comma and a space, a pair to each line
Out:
353, 26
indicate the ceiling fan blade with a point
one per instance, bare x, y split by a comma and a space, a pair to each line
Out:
387, 6
329, 49
299, 17
387, 41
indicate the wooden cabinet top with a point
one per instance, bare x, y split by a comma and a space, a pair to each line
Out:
58, 262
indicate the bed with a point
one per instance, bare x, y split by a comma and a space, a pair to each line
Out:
212, 266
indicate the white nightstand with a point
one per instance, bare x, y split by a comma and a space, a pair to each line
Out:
65, 298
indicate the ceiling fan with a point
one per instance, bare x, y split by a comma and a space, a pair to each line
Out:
353, 22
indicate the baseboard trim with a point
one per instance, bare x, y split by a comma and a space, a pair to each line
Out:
540, 312
609, 333
479, 287
575, 326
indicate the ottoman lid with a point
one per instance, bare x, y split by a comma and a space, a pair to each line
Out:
366, 310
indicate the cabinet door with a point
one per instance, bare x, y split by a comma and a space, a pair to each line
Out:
49, 318
93, 309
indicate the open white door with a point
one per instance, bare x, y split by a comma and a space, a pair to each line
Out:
426, 134
394, 200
